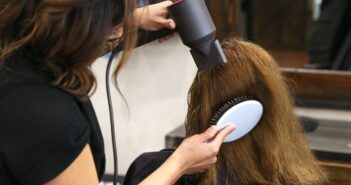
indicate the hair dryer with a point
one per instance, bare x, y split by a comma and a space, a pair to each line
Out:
197, 31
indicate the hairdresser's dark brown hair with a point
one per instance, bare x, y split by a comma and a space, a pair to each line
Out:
63, 37
275, 152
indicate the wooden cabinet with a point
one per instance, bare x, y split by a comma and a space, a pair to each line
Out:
226, 16
270, 23
280, 23
319, 88
339, 173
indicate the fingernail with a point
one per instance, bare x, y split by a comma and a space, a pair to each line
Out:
214, 127
233, 125
172, 25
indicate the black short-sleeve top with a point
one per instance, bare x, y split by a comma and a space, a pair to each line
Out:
42, 128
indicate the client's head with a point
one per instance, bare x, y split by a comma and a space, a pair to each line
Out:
274, 152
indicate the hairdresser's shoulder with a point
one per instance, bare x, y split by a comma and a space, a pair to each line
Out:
36, 98
40, 111
42, 129
27, 90
33, 96
22, 84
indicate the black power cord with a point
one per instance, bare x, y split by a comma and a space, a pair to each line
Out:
112, 121
143, 38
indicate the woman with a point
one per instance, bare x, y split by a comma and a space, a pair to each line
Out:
48, 129
275, 151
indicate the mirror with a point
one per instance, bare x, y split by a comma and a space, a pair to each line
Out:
312, 34
307, 38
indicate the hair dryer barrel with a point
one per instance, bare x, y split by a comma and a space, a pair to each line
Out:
194, 23
197, 30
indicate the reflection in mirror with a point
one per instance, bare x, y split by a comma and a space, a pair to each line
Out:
312, 34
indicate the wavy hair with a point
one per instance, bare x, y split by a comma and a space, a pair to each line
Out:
63, 37
275, 151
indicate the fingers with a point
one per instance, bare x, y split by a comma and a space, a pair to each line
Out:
165, 4
218, 140
166, 23
171, 24
208, 134
162, 7
156, 17
200, 151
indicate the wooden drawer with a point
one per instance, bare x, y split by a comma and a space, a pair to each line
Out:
339, 173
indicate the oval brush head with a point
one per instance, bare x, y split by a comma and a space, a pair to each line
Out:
243, 111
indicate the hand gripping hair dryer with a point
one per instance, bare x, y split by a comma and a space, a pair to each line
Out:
197, 31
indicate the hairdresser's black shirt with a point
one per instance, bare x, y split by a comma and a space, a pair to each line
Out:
42, 128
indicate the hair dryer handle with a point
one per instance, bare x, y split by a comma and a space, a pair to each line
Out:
145, 37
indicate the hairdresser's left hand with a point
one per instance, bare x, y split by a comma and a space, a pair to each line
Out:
155, 17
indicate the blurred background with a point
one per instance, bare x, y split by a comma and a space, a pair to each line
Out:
309, 39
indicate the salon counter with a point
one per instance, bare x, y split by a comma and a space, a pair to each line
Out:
329, 136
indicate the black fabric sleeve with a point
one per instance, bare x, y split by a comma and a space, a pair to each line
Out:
44, 131
146, 164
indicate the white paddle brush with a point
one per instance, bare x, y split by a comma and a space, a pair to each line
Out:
243, 111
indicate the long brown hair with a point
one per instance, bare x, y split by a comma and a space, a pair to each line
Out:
63, 37
275, 152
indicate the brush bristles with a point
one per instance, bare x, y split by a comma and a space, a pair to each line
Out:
226, 106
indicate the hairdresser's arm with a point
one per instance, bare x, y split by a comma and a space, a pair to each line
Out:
194, 155
149, 18
81, 171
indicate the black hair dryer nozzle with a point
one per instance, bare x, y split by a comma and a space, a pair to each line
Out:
197, 31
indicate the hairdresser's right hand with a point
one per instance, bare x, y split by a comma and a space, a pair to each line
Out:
196, 154
199, 152
154, 17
